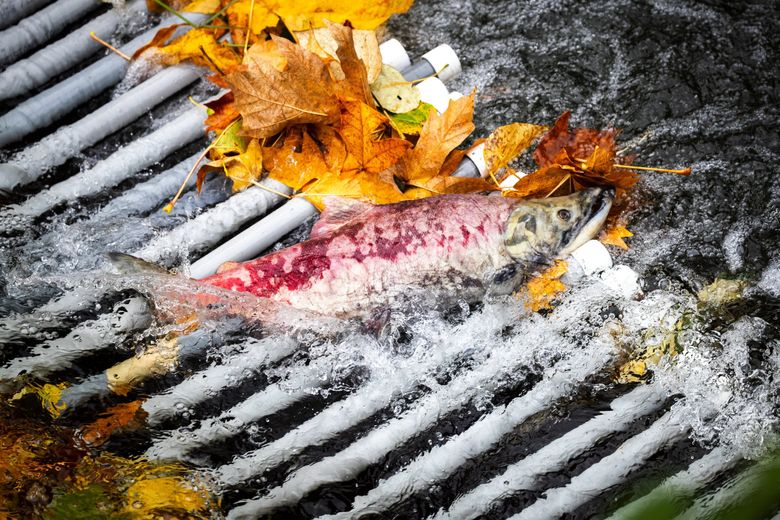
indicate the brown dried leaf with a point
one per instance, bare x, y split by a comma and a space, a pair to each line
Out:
505, 143
282, 84
439, 136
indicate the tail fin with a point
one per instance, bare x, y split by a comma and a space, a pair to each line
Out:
129, 264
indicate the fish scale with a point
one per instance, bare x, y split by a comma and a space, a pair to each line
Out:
397, 438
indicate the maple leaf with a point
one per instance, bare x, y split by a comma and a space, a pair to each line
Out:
394, 93
282, 84
360, 124
411, 123
440, 134
244, 168
323, 43
354, 85
222, 112
376, 188
505, 143
614, 235
202, 6
541, 290
198, 45
295, 168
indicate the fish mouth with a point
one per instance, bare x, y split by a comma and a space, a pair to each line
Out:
599, 202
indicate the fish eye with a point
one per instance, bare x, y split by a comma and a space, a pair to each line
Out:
564, 214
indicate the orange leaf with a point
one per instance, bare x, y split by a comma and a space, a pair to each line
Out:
355, 82
505, 143
282, 84
439, 136
614, 236
224, 112
200, 46
297, 169
541, 290
121, 416
541, 183
359, 125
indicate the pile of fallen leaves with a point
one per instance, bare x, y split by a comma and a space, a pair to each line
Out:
312, 106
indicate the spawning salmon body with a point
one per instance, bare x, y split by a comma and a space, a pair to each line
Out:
362, 257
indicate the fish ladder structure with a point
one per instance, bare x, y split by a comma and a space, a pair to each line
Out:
490, 413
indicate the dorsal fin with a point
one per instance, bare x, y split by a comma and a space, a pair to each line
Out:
338, 211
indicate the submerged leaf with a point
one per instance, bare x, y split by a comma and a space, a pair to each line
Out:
541, 290
614, 236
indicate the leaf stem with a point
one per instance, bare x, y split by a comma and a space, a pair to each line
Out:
219, 13
169, 207
249, 25
684, 171
176, 13
263, 186
108, 46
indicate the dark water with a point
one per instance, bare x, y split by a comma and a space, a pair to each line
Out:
690, 85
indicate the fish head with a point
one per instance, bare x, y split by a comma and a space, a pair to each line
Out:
541, 230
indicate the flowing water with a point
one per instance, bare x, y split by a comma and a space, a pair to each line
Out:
484, 411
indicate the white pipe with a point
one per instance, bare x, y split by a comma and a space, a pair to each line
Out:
683, 485
50, 105
609, 471
209, 228
196, 388
525, 474
58, 354
63, 54
66, 142
119, 166
11, 11
275, 397
40, 27
375, 445
737, 490
257, 238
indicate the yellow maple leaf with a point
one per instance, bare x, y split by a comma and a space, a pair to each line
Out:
366, 153
440, 134
245, 168
200, 46
614, 236
541, 290
505, 143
